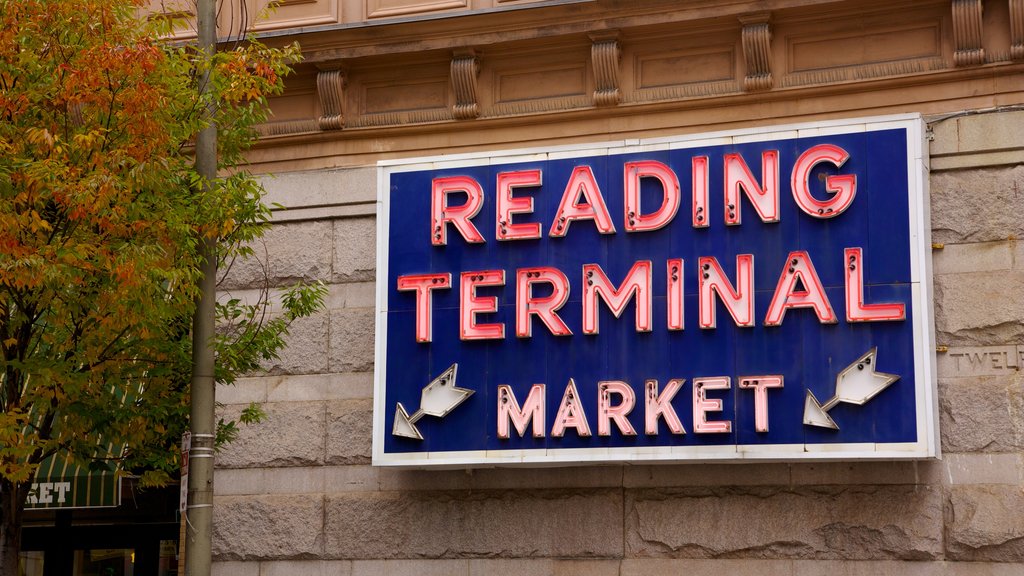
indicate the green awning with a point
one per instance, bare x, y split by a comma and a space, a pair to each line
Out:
59, 483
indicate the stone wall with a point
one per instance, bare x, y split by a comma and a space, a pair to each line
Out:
296, 495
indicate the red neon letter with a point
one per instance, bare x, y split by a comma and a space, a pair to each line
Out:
702, 405
738, 176
507, 205
470, 305
761, 384
798, 268
700, 184
637, 282
460, 216
636, 221
545, 308
675, 293
606, 412
856, 309
739, 302
843, 186
570, 414
533, 409
423, 284
582, 183
661, 405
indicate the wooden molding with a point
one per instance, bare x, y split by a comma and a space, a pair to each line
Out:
330, 89
967, 33
1017, 29
757, 39
465, 70
605, 56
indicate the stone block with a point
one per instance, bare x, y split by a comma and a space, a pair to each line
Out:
287, 253
490, 524
306, 346
234, 568
974, 361
291, 435
274, 527
309, 387
974, 257
706, 474
866, 473
980, 309
990, 468
543, 567
975, 205
854, 523
980, 414
426, 567
986, 523
352, 340
349, 432
321, 187
305, 568
761, 567
355, 249
989, 131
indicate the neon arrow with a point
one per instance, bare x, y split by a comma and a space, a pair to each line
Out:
856, 384
438, 398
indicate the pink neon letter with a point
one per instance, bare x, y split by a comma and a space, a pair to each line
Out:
634, 171
470, 305
582, 183
702, 405
761, 384
700, 185
508, 205
545, 308
674, 269
737, 176
460, 216
798, 267
661, 405
533, 409
637, 282
856, 309
843, 186
570, 414
423, 284
739, 302
606, 412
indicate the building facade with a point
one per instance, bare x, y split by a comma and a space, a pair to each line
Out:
391, 80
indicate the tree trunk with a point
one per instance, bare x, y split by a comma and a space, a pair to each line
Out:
12, 510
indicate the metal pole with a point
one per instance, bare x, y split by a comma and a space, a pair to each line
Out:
200, 481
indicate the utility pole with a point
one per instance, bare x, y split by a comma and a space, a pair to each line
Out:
200, 480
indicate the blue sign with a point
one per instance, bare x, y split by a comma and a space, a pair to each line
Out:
761, 294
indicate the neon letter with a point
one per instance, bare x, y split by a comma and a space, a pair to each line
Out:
545, 308
507, 205
634, 171
700, 185
606, 412
423, 284
470, 305
533, 409
739, 302
582, 182
570, 414
798, 268
738, 176
674, 296
637, 282
460, 216
761, 384
843, 186
702, 405
661, 405
856, 309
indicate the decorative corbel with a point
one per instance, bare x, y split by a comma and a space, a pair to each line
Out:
1017, 29
465, 69
757, 51
330, 88
604, 56
967, 33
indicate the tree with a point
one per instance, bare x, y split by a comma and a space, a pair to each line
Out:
101, 219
